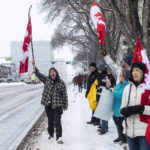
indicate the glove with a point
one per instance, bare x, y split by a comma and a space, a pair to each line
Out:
103, 51
132, 110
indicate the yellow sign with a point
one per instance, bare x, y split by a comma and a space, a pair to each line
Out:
8, 58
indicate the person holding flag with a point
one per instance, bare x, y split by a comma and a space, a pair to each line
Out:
55, 100
135, 107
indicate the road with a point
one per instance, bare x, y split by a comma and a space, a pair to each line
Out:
19, 109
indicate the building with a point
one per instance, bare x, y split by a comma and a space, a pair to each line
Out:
43, 55
4, 71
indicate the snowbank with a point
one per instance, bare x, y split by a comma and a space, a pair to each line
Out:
11, 84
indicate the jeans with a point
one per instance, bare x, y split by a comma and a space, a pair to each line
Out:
80, 88
138, 143
104, 125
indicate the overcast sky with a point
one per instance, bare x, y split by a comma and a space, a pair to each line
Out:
14, 18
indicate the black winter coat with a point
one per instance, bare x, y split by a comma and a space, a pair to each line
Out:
91, 78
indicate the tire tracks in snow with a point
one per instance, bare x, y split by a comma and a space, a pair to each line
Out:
2, 98
8, 112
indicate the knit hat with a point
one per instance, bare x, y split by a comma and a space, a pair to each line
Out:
139, 65
93, 64
101, 67
128, 60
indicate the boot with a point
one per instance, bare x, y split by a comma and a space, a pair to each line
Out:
118, 139
89, 122
51, 137
96, 123
125, 146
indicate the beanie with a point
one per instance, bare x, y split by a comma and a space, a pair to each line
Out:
93, 64
139, 65
101, 67
128, 60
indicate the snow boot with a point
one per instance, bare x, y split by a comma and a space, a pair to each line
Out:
51, 137
96, 123
125, 146
89, 122
118, 139
59, 140
103, 131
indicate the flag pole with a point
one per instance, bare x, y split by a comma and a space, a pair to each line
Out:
31, 35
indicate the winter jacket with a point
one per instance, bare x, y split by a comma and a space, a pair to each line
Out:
79, 80
54, 91
91, 78
118, 92
134, 126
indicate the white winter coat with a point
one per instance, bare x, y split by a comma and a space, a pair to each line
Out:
134, 126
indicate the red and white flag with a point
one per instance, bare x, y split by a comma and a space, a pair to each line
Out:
141, 56
25, 55
98, 21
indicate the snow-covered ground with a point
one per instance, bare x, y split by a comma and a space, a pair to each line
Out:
77, 135
12, 84
19, 109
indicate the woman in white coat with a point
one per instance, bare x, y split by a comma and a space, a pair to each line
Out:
131, 109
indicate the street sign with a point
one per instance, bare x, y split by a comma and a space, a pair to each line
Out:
68, 62
54, 62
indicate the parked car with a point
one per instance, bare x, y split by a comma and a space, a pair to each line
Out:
10, 79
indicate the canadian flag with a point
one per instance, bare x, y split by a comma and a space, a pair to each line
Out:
25, 55
98, 21
141, 56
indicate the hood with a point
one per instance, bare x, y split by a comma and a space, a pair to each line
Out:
57, 74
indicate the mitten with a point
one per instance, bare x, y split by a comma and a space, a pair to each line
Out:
103, 51
132, 110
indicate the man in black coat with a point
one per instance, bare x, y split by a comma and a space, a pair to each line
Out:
91, 78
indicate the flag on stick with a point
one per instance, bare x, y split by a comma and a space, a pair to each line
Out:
25, 55
141, 56
98, 21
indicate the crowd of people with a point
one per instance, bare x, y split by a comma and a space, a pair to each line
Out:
80, 81
126, 107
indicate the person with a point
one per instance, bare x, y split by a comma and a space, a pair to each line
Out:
126, 65
91, 79
131, 109
102, 74
80, 82
55, 100
117, 117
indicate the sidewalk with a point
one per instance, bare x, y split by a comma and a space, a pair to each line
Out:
77, 135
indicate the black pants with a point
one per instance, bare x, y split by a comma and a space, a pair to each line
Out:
118, 122
94, 119
54, 120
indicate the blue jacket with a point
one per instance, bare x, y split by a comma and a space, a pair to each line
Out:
118, 92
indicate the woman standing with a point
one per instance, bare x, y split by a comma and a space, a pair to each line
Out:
117, 117
55, 100
131, 109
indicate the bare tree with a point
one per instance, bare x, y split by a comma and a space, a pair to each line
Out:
121, 17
